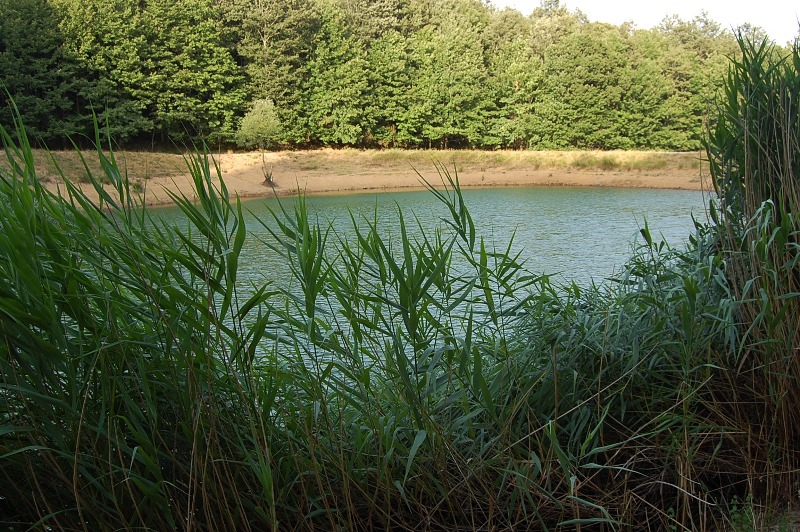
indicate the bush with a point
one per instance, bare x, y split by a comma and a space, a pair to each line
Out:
260, 126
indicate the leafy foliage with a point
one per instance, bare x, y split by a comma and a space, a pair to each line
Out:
399, 73
35, 70
107, 40
274, 43
754, 151
339, 84
260, 126
193, 81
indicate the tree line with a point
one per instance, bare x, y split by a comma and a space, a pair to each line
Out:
363, 73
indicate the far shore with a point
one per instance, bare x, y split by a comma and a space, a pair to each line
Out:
330, 171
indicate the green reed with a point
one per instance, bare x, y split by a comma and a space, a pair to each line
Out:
142, 387
754, 150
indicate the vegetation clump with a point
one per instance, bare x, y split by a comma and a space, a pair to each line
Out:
425, 381
365, 74
260, 126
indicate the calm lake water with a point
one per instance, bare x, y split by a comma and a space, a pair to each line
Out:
576, 233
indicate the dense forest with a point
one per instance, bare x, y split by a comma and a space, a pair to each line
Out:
364, 73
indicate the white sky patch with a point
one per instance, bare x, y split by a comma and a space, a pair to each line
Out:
778, 17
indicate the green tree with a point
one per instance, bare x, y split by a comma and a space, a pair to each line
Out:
696, 62
370, 19
448, 101
670, 119
550, 23
260, 126
106, 37
444, 73
582, 97
34, 70
514, 73
388, 68
275, 41
196, 87
643, 121
339, 89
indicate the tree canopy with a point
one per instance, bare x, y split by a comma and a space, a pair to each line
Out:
364, 73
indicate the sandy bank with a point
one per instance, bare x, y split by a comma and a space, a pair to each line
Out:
350, 171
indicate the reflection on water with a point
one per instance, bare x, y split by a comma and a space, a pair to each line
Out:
576, 233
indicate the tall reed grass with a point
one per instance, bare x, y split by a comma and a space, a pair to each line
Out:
754, 151
425, 381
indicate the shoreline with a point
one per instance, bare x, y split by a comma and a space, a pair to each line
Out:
382, 183
341, 172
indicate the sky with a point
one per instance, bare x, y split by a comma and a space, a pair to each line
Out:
778, 17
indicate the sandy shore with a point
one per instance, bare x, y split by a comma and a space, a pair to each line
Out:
338, 172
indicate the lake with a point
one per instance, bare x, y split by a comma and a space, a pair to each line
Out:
576, 233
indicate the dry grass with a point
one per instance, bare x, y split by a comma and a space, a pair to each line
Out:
484, 160
142, 165
139, 165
